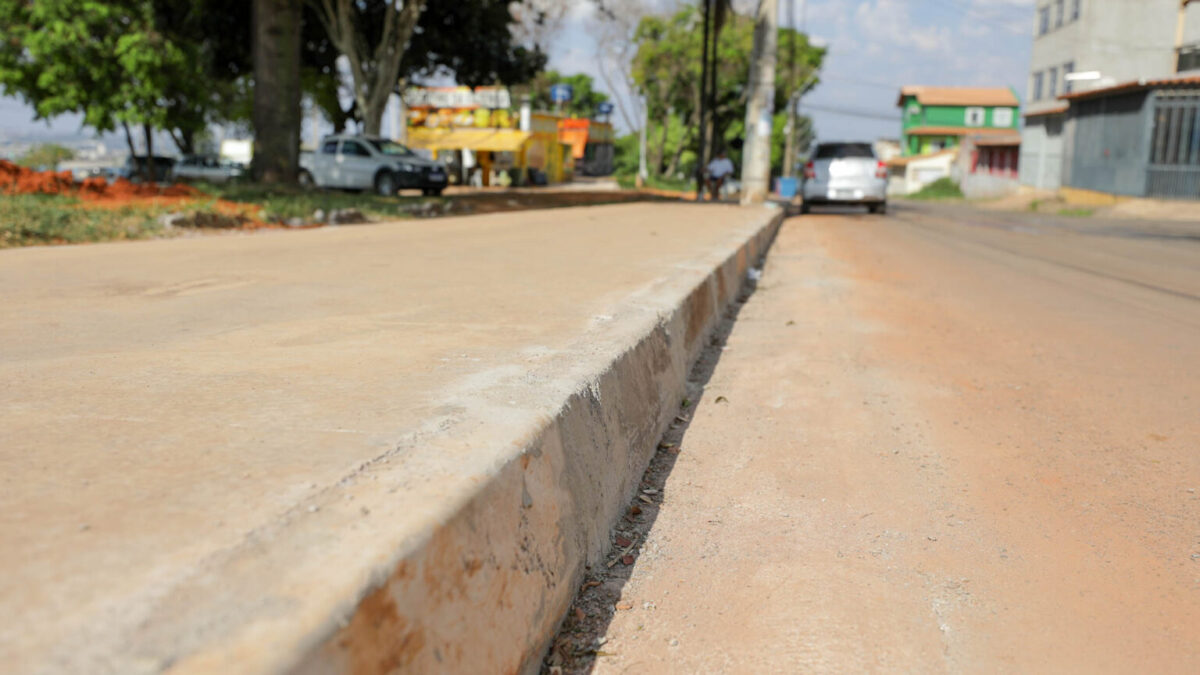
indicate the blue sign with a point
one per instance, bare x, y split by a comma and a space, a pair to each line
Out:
605, 108
561, 93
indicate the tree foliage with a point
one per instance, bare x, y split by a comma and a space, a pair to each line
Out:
667, 68
160, 64
45, 156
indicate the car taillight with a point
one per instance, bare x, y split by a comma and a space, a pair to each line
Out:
810, 170
881, 170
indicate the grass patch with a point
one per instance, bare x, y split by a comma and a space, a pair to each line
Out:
1080, 213
629, 182
282, 203
30, 220
942, 188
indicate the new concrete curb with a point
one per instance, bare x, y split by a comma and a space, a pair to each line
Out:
488, 590
478, 581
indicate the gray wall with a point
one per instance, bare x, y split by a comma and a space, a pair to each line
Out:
1122, 39
1042, 152
1110, 148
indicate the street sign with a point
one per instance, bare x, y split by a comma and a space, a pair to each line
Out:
561, 93
605, 108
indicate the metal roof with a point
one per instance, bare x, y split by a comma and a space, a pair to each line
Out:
984, 96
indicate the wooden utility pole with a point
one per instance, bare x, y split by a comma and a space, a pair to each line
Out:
760, 104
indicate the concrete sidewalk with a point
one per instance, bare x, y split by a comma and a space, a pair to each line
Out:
215, 452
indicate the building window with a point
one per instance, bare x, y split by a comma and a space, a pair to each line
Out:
1002, 117
1075, 10
1059, 11
1068, 68
1052, 77
1044, 20
1037, 87
974, 117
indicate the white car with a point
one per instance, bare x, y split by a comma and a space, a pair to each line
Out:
206, 167
370, 163
845, 173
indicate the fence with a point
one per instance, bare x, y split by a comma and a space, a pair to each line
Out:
1174, 168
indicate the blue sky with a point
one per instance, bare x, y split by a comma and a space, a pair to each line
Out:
875, 46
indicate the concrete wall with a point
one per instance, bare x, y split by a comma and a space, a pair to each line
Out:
1123, 39
1042, 152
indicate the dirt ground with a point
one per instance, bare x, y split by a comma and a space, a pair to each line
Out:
926, 445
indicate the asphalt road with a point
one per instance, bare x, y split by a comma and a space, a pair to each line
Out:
937, 441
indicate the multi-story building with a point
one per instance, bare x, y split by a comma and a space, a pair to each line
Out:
1079, 45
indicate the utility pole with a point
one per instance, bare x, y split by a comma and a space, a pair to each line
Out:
702, 141
760, 104
641, 174
789, 147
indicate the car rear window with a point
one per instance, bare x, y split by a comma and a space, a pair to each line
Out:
844, 150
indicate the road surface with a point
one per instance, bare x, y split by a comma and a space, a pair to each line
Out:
940, 441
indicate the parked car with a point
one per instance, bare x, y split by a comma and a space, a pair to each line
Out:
207, 167
845, 173
161, 168
370, 163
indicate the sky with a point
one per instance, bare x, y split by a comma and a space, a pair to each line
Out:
875, 46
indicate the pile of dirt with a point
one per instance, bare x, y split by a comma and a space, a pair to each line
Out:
16, 179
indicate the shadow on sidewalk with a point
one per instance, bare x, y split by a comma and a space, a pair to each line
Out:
580, 640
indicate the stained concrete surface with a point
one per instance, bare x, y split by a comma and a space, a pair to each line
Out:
168, 408
930, 444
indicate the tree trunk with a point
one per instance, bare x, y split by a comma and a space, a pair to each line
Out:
660, 152
129, 141
277, 114
375, 71
674, 164
148, 167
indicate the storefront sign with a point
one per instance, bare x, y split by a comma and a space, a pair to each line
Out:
457, 98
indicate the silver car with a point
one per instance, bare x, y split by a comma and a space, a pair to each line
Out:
845, 173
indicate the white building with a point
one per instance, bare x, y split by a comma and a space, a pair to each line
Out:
1086, 44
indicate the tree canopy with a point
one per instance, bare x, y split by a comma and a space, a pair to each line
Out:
666, 69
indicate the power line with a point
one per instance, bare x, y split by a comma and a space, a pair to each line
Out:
968, 12
850, 112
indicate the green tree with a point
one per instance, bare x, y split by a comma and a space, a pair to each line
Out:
373, 36
45, 156
666, 69
158, 64
470, 39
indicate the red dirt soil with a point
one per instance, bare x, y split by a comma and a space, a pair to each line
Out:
16, 179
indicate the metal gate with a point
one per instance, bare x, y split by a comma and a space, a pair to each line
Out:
1174, 169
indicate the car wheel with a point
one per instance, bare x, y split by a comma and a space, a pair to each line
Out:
880, 208
385, 184
805, 208
305, 179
